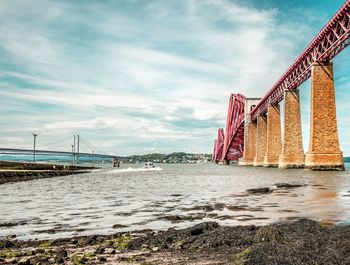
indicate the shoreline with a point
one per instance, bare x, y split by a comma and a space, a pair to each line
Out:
24, 171
301, 242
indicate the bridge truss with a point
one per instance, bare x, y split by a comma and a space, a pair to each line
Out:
328, 43
218, 146
234, 136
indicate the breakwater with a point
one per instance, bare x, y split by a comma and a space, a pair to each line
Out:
23, 171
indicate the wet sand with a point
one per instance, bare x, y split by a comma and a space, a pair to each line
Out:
300, 242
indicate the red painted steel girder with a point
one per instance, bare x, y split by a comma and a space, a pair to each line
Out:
327, 44
218, 146
234, 136
213, 157
236, 147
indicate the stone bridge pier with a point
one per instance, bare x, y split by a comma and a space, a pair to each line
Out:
250, 129
273, 144
292, 152
265, 145
261, 141
324, 151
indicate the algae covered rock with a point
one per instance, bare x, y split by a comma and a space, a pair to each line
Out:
259, 190
268, 234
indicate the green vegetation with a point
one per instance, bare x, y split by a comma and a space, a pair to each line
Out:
79, 259
121, 243
179, 157
45, 245
8, 253
178, 244
241, 257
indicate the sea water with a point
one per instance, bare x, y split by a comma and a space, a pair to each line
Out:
111, 200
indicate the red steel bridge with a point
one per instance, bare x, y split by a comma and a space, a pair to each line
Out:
327, 44
218, 145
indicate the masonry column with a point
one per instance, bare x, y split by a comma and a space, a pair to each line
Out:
260, 141
249, 144
324, 152
292, 153
273, 148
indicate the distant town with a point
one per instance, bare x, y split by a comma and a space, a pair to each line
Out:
173, 158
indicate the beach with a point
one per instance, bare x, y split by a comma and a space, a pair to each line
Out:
300, 242
177, 214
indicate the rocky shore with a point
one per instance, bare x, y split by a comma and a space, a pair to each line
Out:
20, 171
300, 242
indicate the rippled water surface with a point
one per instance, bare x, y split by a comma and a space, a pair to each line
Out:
112, 200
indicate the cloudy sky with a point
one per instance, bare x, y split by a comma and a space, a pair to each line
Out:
140, 76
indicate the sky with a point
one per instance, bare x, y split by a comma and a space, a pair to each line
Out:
144, 76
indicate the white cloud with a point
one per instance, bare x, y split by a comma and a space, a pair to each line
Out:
137, 76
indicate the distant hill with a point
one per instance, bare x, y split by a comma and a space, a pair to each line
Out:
177, 157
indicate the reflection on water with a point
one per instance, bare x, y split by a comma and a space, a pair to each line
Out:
109, 200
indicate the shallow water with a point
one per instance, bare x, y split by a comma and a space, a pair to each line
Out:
112, 200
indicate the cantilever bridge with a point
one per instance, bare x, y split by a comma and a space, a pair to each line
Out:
253, 128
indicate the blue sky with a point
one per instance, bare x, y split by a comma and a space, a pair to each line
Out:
149, 76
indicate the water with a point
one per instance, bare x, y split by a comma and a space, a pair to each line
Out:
112, 200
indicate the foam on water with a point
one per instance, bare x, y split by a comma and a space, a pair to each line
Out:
131, 169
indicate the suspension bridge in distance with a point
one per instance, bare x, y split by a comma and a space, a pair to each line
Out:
80, 149
14, 151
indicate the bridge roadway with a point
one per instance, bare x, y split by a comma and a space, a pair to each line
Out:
327, 44
253, 127
12, 151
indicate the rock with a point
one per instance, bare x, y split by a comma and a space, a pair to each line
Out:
38, 260
24, 261
59, 260
116, 226
154, 249
62, 252
102, 259
170, 238
207, 226
197, 231
13, 261
60, 256
7, 243
30, 253
90, 240
100, 250
268, 234
219, 206
259, 190
40, 251
109, 251
288, 185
